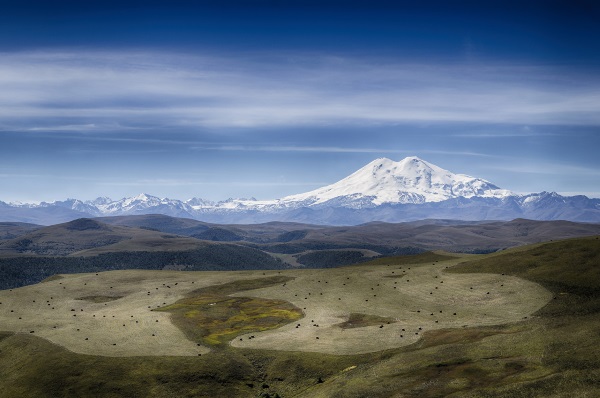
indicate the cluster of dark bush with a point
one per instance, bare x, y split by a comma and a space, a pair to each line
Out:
330, 258
218, 235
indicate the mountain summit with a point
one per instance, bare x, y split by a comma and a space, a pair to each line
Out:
410, 180
383, 190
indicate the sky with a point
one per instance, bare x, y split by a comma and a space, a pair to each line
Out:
265, 99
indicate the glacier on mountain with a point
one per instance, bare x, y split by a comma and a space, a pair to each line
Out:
410, 180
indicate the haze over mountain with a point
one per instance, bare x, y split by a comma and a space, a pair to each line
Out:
383, 190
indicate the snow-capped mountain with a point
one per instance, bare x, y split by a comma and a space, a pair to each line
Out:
411, 180
76, 205
383, 190
146, 204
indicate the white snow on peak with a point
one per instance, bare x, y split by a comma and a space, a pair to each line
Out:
143, 197
139, 202
101, 200
410, 180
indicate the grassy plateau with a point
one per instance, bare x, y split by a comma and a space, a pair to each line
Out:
522, 322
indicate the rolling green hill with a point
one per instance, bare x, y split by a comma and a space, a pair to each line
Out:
456, 236
76, 237
87, 245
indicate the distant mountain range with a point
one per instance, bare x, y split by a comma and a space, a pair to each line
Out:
383, 190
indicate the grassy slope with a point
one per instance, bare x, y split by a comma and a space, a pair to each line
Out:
221, 373
552, 354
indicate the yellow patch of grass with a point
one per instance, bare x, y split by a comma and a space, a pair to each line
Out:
212, 317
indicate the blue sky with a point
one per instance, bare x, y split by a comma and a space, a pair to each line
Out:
271, 98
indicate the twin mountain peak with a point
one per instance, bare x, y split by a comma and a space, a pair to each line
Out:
410, 180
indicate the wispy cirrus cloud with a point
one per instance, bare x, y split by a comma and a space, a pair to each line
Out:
288, 148
96, 91
334, 149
